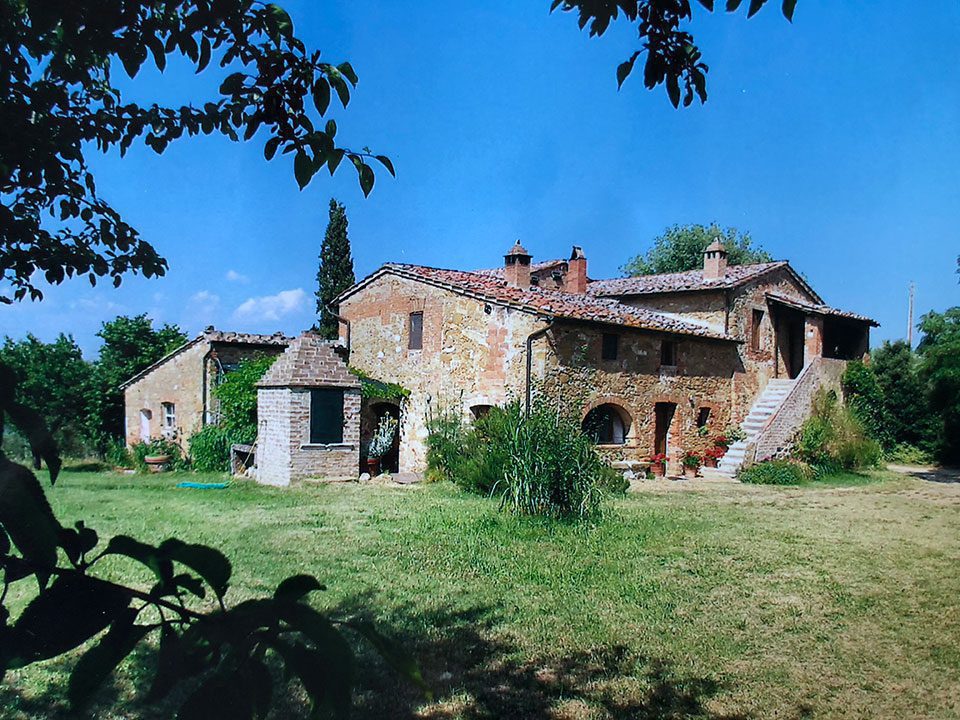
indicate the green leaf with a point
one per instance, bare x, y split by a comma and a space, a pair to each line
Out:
204, 55
270, 149
70, 612
755, 6
295, 587
191, 584
281, 20
99, 662
171, 664
5, 542
625, 68
331, 128
385, 161
732, 5
336, 81
145, 554
232, 84
219, 697
328, 683
30, 423
367, 177
321, 95
209, 563
788, 8
395, 654
333, 160
27, 517
303, 169
348, 72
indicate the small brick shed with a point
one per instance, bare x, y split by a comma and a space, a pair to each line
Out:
308, 409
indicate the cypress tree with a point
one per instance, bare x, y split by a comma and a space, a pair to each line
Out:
335, 273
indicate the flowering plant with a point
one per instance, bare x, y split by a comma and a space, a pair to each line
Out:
692, 460
721, 441
715, 452
659, 458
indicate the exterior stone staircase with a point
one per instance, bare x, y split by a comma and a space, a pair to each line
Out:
765, 407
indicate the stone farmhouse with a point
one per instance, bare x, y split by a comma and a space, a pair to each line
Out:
661, 363
173, 398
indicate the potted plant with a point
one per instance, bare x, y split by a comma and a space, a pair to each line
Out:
658, 464
711, 458
691, 465
722, 442
380, 443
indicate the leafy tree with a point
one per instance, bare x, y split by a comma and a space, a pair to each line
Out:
237, 394
335, 273
939, 351
55, 381
57, 61
681, 247
673, 59
130, 344
867, 402
909, 415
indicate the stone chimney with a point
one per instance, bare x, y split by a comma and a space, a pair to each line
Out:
516, 266
576, 279
714, 261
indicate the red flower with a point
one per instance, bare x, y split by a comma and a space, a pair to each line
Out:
659, 458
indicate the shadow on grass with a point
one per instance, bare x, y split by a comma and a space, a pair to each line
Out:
475, 672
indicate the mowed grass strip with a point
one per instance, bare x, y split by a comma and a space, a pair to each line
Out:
831, 600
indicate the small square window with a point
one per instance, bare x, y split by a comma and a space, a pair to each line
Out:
755, 324
668, 353
611, 346
326, 416
415, 341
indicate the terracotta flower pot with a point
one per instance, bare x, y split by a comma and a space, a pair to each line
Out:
658, 469
157, 463
710, 462
690, 473
373, 466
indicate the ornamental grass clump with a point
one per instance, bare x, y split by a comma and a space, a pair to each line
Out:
833, 439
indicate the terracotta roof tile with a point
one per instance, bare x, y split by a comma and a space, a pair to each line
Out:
553, 303
691, 280
310, 361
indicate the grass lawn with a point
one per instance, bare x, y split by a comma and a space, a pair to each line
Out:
709, 600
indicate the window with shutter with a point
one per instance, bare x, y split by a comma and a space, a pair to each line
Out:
326, 416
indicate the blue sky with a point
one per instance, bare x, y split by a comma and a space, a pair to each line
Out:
833, 140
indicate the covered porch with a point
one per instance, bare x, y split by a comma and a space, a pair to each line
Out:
804, 331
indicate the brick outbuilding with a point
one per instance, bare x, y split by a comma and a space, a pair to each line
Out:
308, 411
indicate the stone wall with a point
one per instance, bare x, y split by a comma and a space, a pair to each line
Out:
776, 438
575, 374
704, 307
179, 381
473, 353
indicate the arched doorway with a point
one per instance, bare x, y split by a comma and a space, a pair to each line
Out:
607, 424
479, 411
390, 462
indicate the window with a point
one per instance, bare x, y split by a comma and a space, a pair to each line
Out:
326, 416
169, 416
755, 329
415, 341
668, 353
480, 411
703, 417
611, 346
607, 425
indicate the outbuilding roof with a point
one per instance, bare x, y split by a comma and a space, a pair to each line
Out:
553, 304
692, 281
310, 361
212, 335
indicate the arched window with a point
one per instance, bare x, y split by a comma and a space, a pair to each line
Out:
607, 425
479, 411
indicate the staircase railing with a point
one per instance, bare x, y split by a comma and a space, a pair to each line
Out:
781, 427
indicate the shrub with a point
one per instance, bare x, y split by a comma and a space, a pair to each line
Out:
833, 439
908, 455
540, 464
865, 399
237, 393
141, 450
446, 437
776, 472
117, 455
210, 449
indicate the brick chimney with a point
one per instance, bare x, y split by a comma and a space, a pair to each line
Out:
516, 266
576, 278
714, 261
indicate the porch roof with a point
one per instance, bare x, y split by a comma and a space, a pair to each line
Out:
819, 309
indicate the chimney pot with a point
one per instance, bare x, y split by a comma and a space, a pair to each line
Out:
516, 266
576, 277
714, 261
